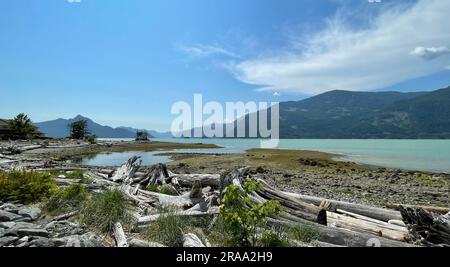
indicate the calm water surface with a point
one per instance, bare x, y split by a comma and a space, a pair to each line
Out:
424, 155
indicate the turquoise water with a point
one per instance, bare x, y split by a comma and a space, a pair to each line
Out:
117, 159
423, 155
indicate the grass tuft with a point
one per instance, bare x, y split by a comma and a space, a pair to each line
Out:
305, 233
105, 209
67, 199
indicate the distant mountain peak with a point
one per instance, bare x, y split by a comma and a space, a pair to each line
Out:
81, 117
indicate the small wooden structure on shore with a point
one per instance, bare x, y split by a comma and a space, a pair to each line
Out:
142, 135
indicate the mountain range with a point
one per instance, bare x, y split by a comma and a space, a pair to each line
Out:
344, 114
59, 129
335, 114
363, 115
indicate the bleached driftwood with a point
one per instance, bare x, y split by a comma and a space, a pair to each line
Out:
119, 234
152, 218
363, 226
372, 212
126, 171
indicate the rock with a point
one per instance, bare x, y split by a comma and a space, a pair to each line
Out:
7, 240
192, 241
61, 176
137, 243
6, 216
86, 240
32, 212
42, 242
32, 232
2, 232
63, 228
9, 207
18, 225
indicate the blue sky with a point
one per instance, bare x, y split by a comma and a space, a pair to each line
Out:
127, 62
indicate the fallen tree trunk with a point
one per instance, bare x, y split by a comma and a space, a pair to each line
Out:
343, 237
183, 202
376, 213
295, 206
357, 225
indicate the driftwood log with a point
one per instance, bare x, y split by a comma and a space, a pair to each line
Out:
373, 212
344, 237
426, 227
119, 234
339, 223
126, 172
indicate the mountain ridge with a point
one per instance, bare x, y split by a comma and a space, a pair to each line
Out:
335, 114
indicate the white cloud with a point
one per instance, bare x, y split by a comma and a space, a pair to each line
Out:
206, 50
430, 52
276, 94
340, 57
74, 1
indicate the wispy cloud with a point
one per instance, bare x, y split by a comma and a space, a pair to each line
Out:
202, 51
430, 52
73, 1
390, 50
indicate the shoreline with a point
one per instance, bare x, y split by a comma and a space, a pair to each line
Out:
299, 171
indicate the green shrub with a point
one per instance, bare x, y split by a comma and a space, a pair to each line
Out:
67, 200
274, 238
305, 233
105, 209
91, 139
26, 187
242, 216
168, 229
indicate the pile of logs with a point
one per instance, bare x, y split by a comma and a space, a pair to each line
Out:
339, 223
